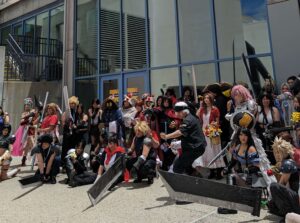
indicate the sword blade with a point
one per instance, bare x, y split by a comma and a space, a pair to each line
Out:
29, 191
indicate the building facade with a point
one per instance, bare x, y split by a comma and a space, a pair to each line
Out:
104, 47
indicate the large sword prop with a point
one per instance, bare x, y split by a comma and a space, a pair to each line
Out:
220, 154
66, 101
248, 73
38, 125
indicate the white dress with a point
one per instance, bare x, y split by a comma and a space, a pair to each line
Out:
211, 151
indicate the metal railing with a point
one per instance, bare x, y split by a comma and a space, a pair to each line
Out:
87, 66
33, 59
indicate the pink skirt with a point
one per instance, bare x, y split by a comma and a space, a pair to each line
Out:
17, 146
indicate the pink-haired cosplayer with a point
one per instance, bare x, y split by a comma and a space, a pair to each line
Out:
244, 102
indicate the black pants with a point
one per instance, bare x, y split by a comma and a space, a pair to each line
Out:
146, 169
183, 164
69, 142
85, 178
284, 200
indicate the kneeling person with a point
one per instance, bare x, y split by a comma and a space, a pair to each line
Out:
48, 159
76, 161
143, 164
110, 154
5, 155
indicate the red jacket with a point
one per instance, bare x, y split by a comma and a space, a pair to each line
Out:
214, 114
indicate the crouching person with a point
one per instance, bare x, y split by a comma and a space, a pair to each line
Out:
142, 163
110, 154
5, 155
48, 157
76, 166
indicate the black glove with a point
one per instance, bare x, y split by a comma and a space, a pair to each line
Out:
253, 169
138, 163
230, 165
47, 178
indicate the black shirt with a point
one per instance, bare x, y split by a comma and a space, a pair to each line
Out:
46, 153
192, 135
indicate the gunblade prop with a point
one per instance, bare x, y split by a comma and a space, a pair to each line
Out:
97, 191
193, 189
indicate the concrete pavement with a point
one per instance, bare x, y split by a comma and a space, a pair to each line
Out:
127, 203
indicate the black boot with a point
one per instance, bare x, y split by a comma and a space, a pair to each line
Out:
212, 174
23, 161
219, 174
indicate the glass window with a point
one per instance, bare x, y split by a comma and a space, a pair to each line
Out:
86, 91
204, 74
42, 25
111, 88
86, 37
57, 23
229, 28
226, 72
110, 42
162, 33
4, 34
18, 29
135, 34
135, 85
255, 25
195, 27
164, 79
30, 27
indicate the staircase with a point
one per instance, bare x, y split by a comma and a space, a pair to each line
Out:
33, 59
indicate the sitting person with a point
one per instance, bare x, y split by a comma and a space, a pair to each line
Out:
143, 155
244, 154
96, 154
110, 154
5, 154
286, 168
76, 161
48, 157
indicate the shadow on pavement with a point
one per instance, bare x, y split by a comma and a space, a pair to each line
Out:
168, 202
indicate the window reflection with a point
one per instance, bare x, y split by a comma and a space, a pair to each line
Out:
86, 38
164, 79
162, 31
195, 26
86, 90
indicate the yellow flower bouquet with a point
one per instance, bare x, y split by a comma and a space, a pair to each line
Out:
213, 131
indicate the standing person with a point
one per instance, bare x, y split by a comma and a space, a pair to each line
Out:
69, 121
210, 115
81, 127
50, 121
285, 100
192, 139
128, 112
95, 116
267, 115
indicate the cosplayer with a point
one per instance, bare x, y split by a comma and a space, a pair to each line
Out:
5, 155
69, 121
192, 139
244, 116
48, 159
128, 112
285, 169
76, 166
110, 154
112, 117
142, 162
50, 121
26, 132
209, 116
246, 156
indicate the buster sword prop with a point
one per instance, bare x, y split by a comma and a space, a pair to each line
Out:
248, 73
36, 134
99, 188
193, 189
29, 181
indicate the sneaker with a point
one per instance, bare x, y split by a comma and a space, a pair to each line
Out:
150, 180
227, 211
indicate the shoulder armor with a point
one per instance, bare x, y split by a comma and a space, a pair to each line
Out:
288, 166
147, 141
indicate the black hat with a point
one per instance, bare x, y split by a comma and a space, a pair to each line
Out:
7, 126
180, 106
46, 138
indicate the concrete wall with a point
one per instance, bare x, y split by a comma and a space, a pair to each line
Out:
21, 8
16, 91
285, 34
